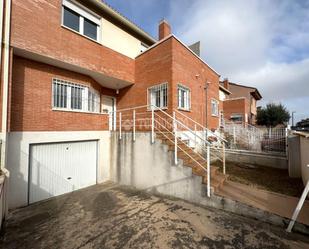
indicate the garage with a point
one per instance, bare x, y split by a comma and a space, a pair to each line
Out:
59, 168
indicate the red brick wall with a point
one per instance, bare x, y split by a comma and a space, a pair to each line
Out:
193, 73
31, 100
235, 106
151, 68
171, 62
36, 27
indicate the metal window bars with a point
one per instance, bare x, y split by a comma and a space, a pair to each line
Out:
70, 96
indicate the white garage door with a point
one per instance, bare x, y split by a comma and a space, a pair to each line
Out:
59, 168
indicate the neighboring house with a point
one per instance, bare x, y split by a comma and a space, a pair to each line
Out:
241, 104
302, 125
66, 65
223, 96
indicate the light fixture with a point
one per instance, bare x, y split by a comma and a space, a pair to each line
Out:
117, 91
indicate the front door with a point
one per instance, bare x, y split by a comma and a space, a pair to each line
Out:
109, 106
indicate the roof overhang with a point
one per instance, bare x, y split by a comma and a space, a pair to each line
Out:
256, 94
100, 5
102, 79
222, 88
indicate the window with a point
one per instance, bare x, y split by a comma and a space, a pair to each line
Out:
184, 98
157, 95
214, 107
237, 117
71, 19
90, 29
144, 47
71, 96
77, 18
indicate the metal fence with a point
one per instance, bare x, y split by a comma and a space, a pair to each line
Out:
251, 138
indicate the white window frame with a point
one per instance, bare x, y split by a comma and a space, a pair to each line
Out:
187, 97
84, 97
216, 102
151, 100
83, 13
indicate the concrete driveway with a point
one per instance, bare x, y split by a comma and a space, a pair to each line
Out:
110, 216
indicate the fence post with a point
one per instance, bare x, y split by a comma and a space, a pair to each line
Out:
223, 157
175, 135
152, 125
120, 119
234, 135
205, 136
195, 142
134, 126
208, 171
286, 143
110, 124
114, 120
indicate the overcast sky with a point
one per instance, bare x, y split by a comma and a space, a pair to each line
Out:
260, 43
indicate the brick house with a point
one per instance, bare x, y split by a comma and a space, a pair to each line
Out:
62, 75
240, 105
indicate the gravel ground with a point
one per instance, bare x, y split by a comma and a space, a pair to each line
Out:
111, 216
275, 180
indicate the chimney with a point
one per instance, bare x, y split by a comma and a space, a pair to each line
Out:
164, 29
226, 83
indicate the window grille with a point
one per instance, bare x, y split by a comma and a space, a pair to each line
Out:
71, 96
157, 95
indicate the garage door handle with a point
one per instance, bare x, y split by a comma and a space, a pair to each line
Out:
69, 178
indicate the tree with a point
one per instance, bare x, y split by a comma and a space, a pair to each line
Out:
272, 115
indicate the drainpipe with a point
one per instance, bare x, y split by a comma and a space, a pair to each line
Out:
206, 96
1, 28
5, 81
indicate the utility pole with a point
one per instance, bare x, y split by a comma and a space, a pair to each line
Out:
293, 117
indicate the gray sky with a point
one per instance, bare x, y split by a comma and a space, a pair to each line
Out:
263, 43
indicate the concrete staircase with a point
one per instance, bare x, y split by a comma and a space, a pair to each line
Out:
193, 160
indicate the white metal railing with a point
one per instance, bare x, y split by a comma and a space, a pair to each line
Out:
156, 120
198, 126
218, 151
251, 138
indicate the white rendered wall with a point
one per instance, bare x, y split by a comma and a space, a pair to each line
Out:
304, 157
18, 157
119, 40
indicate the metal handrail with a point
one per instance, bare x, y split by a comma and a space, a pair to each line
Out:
204, 128
170, 120
182, 142
165, 113
200, 165
205, 141
179, 146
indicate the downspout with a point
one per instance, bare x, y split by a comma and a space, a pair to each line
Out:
5, 81
1, 29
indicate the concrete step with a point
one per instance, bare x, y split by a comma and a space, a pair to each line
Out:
183, 148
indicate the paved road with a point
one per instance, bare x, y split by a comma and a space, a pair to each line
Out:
109, 216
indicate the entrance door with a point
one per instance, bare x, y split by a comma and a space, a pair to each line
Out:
109, 106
